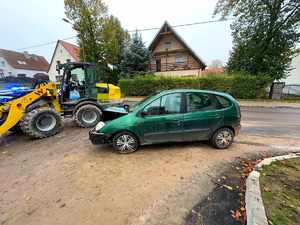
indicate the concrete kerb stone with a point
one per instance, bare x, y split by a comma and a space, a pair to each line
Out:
255, 209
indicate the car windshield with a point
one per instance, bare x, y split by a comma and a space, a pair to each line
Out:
132, 108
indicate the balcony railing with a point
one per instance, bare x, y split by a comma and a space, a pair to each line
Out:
162, 67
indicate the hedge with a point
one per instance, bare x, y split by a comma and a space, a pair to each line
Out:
239, 86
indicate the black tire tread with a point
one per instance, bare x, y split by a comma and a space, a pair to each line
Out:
213, 138
77, 119
27, 120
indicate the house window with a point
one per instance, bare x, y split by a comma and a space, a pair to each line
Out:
179, 60
1, 73
168, 44
21, 62
2, 64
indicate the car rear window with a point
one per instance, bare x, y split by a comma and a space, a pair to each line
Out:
224, 102
197, 102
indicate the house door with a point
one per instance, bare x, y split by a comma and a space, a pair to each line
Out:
158, 65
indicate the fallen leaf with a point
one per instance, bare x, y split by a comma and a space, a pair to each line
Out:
236, 215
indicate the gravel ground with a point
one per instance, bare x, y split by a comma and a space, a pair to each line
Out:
66, 180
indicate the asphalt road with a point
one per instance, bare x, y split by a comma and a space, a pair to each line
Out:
271, 122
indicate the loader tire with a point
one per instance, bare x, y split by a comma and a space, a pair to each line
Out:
88, 116
41, 123
16, 129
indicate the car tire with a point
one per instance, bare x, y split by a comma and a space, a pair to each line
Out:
125, 142
222, 138
88, 116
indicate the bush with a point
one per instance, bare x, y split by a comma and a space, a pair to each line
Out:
240, 86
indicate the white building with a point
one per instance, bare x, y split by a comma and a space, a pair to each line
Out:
19, 64
294, 75
63, 53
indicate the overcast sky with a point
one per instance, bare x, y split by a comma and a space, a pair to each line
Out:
32, 22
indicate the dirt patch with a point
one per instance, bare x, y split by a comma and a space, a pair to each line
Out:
280, 185
66, 180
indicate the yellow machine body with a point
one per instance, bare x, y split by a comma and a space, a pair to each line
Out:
108, 92
13, 111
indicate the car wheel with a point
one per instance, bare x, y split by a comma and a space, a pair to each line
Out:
222, 138
125, 142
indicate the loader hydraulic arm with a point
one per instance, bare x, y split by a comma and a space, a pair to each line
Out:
12, 112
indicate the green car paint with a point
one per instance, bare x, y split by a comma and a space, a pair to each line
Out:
182, 126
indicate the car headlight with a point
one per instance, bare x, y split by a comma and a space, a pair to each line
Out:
99, 126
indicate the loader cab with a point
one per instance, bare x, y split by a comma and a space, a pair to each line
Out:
79, 81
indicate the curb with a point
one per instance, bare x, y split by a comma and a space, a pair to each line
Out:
255, 209
269, 107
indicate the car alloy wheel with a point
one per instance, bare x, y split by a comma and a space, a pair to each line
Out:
222, 138
125, 143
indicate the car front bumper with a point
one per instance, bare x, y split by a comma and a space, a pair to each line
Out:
98, 138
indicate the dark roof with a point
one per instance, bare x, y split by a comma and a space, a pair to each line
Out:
71, 48
26, 61
167, 26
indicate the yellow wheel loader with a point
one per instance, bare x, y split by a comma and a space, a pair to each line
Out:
39, 112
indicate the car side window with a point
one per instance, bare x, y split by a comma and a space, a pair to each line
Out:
153, 108
197, 102
171, 104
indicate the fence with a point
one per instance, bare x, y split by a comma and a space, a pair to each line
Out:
291, 90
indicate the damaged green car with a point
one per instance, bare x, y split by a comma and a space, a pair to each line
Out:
181, 115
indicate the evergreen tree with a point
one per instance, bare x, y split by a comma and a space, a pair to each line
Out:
136, 57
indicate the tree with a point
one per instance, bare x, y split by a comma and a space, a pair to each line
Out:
114, 39
88, 17
136, 57
216, 63
265, 33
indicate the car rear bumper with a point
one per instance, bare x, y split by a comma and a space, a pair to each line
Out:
98, 138
237, 129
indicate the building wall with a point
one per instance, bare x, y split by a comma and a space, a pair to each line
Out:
294, 75
168, 57
62, 55
8, 70
174, 46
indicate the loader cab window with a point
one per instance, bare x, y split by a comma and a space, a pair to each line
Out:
74, 84
77, 84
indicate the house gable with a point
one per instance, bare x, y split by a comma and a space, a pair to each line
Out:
168, 42
63, 52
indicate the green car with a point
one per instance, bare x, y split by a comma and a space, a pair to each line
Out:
173, 116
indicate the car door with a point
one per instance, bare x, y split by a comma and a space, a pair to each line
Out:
202, 116
163, 123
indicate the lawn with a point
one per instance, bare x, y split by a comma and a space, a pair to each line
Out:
280, 185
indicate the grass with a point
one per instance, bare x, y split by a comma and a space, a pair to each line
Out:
280, 185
